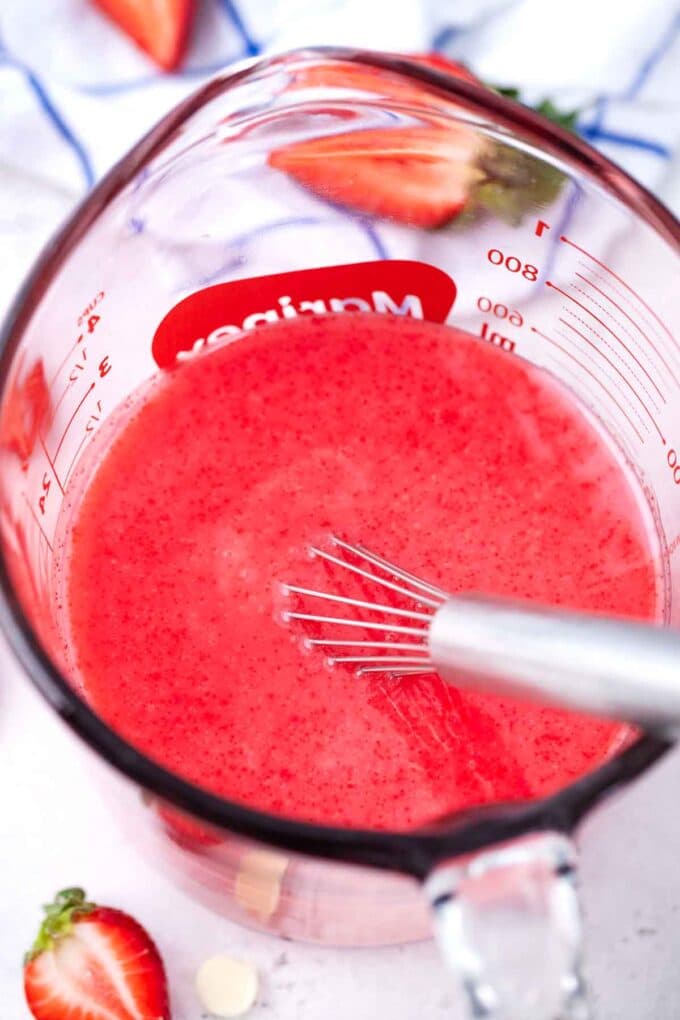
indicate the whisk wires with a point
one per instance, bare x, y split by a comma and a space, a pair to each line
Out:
388, 653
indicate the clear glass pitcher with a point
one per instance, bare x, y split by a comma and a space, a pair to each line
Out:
545, 249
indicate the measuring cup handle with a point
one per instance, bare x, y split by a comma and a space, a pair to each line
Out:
508, 924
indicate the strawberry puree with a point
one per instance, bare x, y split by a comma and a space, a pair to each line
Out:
465, 464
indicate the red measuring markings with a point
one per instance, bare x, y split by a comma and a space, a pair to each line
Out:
624, 284
91, 326
37, 521
73, 374
566, 373
607, 343
75, 457
51, 463
635, 340
103, 369
91, 307
46, 486
69, 353
633, 322
500, 310
494, 337
621, 294
592, 375
90, 426
585, 308
618, 372
73, 378
71, 419
59, 402
514, 265
613, 381
594, 300
674, 464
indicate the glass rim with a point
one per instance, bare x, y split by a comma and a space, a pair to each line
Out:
414, 852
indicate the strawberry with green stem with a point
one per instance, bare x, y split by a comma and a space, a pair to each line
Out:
93, 963
514, 182
425, 176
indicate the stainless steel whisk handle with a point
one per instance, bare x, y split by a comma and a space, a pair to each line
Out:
610, 667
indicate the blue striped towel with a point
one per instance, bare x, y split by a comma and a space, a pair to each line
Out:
75, 93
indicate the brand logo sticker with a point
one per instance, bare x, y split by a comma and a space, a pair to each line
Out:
224, 312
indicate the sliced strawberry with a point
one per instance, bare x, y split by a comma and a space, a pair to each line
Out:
421, 176
338, 74
93, 963
415, 175
160, 27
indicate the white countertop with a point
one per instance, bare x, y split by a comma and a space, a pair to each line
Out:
56, 831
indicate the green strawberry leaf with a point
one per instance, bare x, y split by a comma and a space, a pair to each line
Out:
546, 108
509, 93
68, 905
567, 120
515, 183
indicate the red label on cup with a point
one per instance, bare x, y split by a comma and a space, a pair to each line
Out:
223, 312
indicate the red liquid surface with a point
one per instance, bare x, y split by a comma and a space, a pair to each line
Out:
466, 465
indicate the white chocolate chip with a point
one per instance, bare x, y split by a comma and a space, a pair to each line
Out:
258, 882
226, 987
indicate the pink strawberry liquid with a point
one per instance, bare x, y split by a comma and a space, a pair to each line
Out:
466, 465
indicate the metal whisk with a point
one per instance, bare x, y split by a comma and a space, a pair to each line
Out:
610, 667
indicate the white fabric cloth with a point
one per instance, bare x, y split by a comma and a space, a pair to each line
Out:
75, 93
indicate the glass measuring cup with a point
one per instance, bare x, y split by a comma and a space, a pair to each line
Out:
197, 235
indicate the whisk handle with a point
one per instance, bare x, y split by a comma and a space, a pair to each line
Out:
605, 666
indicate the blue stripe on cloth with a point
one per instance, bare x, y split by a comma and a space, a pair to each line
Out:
598, 114
447, 33
595, 133
251, 47
114, 88
365, 223
252, 235
560, 228
267, 228
373, 236
53, 114
444, 36
653, 58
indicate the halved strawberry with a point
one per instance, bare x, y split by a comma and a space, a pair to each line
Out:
416, 175
343, 75
160, 27
93, 963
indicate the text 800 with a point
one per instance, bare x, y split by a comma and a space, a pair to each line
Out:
512, 264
